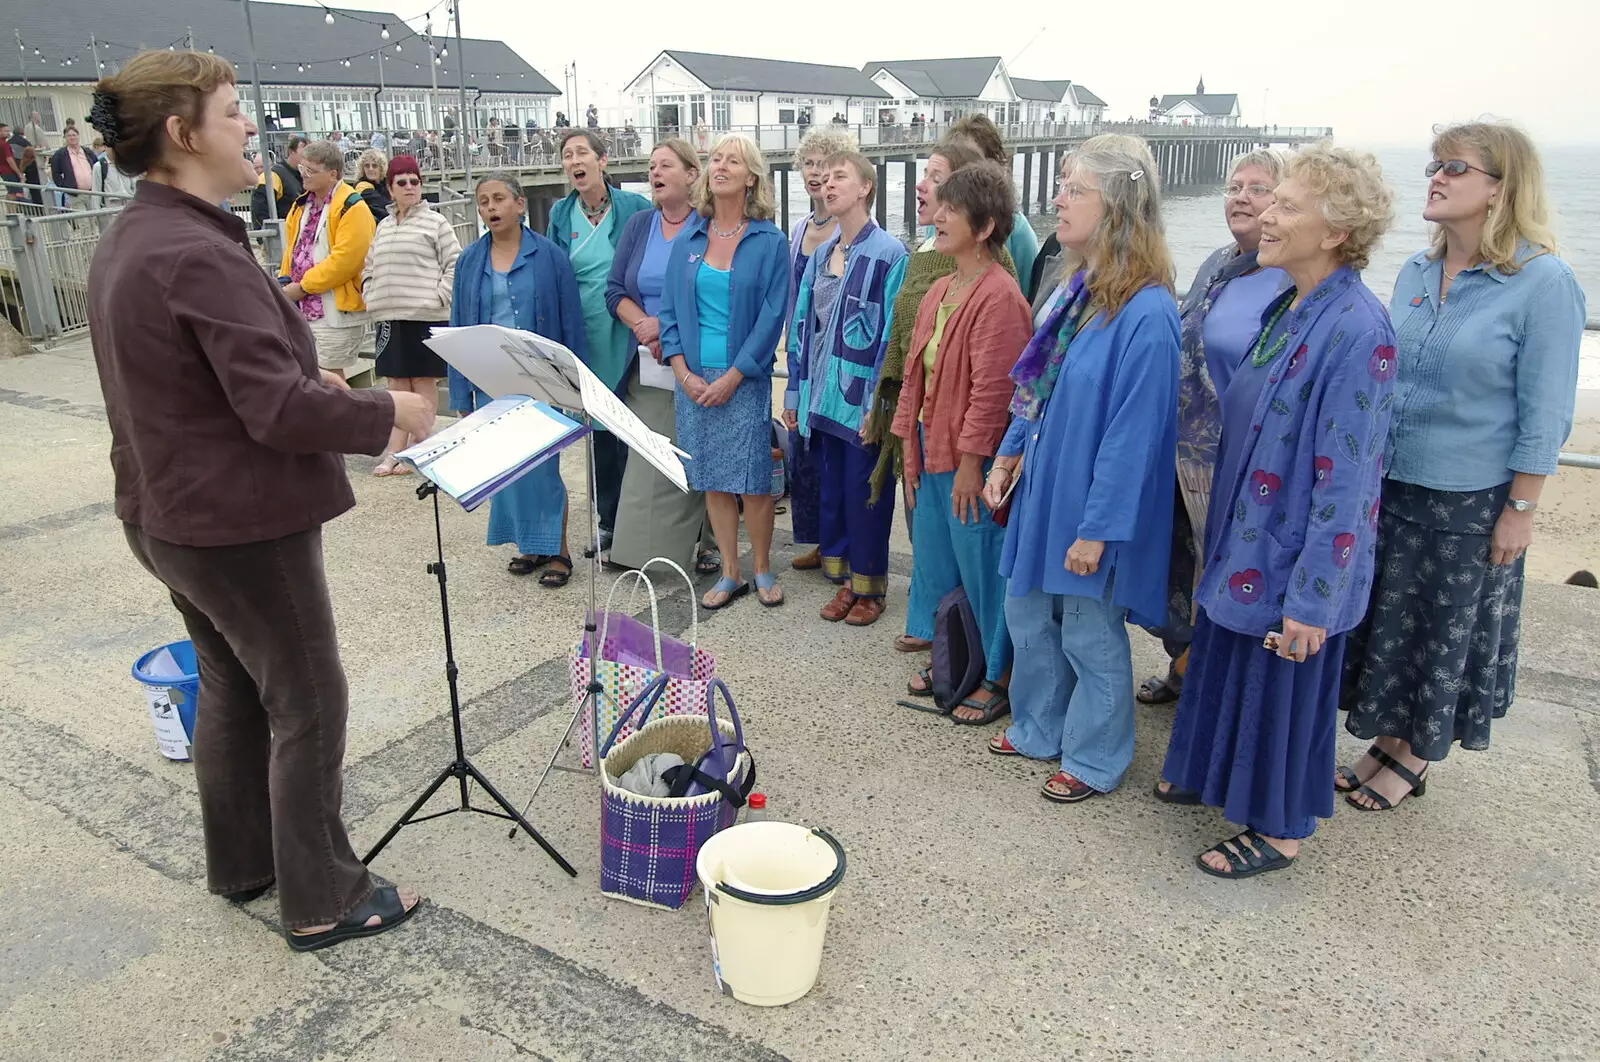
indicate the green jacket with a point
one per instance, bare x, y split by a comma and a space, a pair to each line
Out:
625, 203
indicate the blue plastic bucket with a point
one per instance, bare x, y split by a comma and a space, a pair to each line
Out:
171, 685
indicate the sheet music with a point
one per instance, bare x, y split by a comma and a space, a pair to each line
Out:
511, 361
497, 448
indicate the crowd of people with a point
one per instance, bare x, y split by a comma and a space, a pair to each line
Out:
1319, 503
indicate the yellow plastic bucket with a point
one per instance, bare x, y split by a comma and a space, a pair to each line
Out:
768, 887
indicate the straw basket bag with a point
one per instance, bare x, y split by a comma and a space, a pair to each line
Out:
648, 845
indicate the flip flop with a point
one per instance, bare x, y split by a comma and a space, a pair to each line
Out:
727, 586
384, 902
907, 644
768, 581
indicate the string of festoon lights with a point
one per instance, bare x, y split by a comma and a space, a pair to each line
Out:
100, 56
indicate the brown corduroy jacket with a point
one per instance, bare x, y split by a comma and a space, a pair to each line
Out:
222, 431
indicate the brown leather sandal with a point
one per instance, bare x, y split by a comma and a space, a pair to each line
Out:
840, 606
865, 612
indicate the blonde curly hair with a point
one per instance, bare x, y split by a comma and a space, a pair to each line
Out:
824, 140
1351, 196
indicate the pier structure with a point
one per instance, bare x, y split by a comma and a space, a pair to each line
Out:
1186, 155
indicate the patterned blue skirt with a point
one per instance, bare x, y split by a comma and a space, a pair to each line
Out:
1254, 733
730, 446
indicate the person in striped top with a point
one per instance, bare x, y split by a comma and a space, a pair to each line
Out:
410, 270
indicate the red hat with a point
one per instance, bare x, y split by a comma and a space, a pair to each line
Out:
402, 164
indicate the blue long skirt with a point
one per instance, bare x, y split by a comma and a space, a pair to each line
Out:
1254, 733
529, 512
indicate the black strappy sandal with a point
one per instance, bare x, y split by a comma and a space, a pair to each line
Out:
1173, 795
384, 902
554, 578
1352, 780
527, 565
1249, 855
998, 704
1156, 690
1418, 783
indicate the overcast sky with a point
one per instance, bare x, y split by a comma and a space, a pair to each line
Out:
1381, 72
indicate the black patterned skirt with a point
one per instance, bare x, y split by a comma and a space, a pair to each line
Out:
402, 352
1435, 660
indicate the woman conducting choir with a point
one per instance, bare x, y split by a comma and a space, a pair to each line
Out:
226, 450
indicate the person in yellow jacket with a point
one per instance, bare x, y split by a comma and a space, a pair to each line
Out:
326, 237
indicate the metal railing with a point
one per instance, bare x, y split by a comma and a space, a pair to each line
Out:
518, 148
45, 255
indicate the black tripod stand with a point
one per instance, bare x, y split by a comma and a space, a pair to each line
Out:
460, 768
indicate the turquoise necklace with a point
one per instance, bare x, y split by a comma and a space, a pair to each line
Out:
1258, 356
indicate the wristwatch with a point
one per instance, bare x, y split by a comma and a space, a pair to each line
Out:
1522, 505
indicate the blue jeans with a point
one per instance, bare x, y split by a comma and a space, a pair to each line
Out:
1072, 685
951, 554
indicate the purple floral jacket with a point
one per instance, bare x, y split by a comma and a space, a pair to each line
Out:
1300, 529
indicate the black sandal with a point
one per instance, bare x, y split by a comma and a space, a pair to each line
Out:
527, 565
1156, 690
1249, 855
926, 675
384, 902
555, 578
996, 706
1418, 783
246, 895
1352, 780
707, 562
1173, 795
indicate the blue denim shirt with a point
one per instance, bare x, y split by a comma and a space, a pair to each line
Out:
1488, 377
1299, 527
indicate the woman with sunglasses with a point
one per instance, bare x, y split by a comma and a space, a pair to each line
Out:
1488, 322
407, 280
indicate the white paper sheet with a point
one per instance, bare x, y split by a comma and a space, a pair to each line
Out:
506, 361
653, 373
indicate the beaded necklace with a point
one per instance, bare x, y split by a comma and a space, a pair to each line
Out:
1259, 357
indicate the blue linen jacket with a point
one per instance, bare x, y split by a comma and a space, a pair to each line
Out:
1299, 526
626, 204
850, 354
623, 283
1489, 377
758, 293
1098, 465
543, 288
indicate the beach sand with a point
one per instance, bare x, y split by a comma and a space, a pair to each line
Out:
1564, 538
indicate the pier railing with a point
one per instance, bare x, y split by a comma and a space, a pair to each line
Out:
46, 251
520, 149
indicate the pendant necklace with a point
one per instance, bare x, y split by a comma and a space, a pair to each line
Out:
729, 235
1259, 357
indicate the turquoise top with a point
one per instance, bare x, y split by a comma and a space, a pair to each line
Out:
499, 300
611, 343
711, 288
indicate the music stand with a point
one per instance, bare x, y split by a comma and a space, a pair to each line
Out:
506, 361
460, 768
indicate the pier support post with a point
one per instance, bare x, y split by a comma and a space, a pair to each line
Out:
783, 198
1027, 175
883, 195
910, 221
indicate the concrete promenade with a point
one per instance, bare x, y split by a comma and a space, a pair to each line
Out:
977, 921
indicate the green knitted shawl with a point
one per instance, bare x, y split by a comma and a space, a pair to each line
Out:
922, 270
